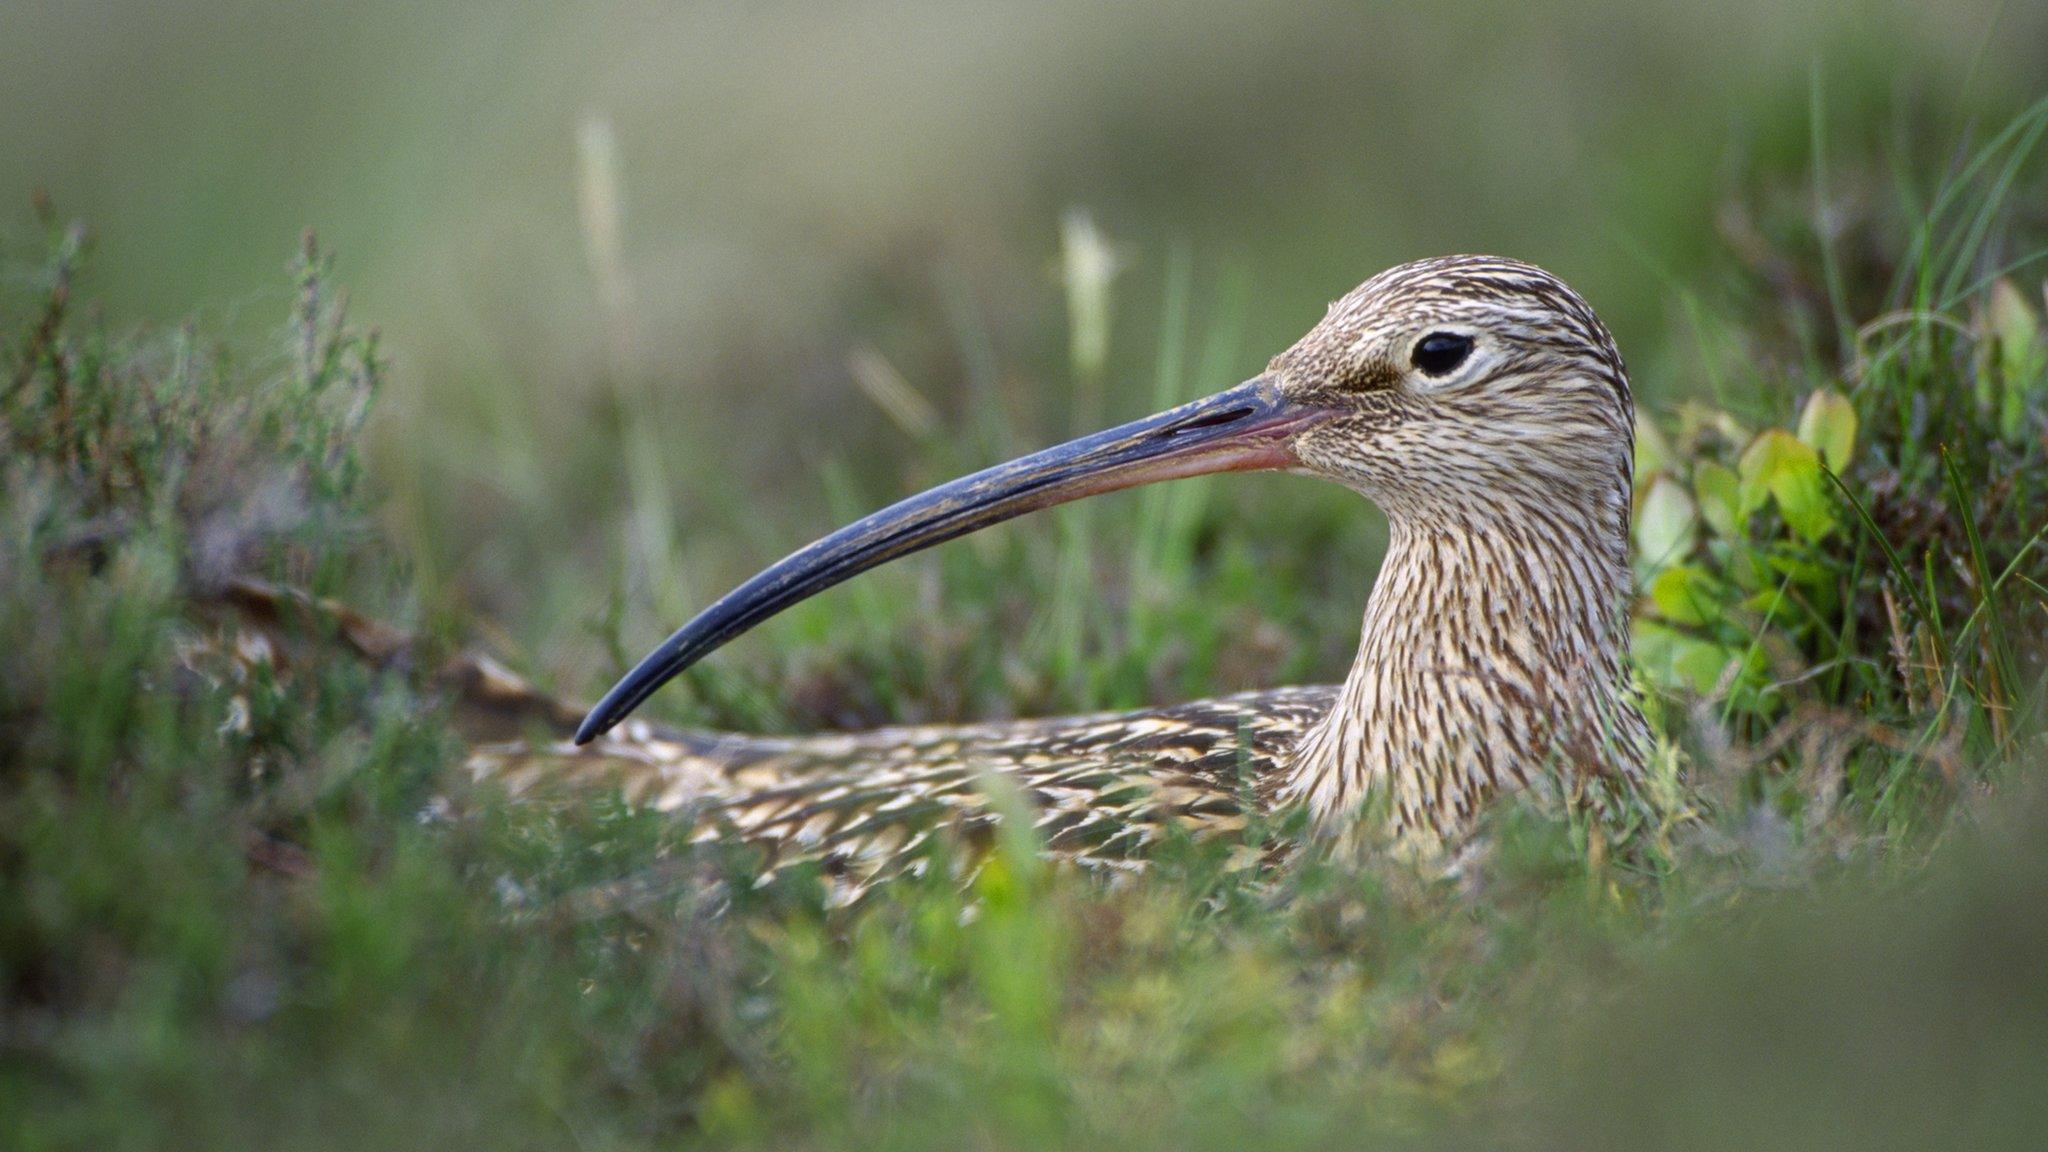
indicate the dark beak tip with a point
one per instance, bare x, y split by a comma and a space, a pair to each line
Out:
602, 718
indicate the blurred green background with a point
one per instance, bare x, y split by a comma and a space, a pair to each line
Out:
623, 255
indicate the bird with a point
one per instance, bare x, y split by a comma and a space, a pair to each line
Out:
1478, 401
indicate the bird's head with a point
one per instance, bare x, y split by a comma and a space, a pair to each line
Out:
1465, 384
1468, 384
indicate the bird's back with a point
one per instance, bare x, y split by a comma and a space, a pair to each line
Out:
1101, 789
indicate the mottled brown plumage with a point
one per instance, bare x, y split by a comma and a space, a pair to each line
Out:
1493, 655
1102, 788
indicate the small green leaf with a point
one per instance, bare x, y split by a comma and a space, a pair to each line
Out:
1777, 465
1806, 504
2018, 351
2011, 319
1684, 594
1753, 475
1665, 523
1672, 660
1828, 426
1717, 492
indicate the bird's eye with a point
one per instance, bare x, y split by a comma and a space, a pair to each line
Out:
1441, 352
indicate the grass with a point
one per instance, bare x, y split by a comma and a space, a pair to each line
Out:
260, 908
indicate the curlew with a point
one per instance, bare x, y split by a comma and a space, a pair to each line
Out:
1478, 401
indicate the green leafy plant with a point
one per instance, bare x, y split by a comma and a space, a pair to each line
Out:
1858, 552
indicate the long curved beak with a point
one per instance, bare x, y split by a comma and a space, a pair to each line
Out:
1249, 427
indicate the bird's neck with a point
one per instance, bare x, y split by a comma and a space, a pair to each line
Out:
1494, 657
